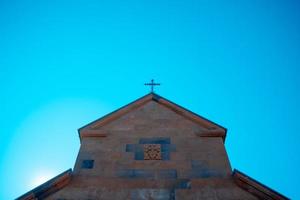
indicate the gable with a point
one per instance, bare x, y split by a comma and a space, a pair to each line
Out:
160, 108
152, 151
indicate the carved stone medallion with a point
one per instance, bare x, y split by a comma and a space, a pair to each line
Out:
152, 152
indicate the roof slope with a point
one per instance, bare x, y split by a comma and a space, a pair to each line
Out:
50, 187
213, 129
256, 188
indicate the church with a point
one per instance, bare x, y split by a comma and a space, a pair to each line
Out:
155, 149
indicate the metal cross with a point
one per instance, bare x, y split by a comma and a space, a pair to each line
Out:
152, 84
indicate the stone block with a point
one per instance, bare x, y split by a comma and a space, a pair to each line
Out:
167, 174
155, 140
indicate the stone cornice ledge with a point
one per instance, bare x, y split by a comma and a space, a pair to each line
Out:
212, 133
92, 133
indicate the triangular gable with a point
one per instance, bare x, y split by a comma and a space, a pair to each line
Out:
256, 188
48, 188
213, 129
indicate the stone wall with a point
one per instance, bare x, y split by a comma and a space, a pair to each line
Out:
152, 153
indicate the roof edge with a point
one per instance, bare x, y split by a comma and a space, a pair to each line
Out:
161, 100
49, 187
255, 187
113, 112
195, 114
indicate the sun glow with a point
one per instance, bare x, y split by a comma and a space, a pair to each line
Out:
41, 178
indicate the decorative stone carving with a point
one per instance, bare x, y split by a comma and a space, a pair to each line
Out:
152, 152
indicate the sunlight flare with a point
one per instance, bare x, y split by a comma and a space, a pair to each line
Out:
41, 178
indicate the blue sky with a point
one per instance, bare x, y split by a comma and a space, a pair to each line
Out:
66, 63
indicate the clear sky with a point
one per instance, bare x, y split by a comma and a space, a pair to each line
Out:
66, 63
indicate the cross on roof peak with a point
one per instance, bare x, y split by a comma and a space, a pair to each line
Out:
152, 84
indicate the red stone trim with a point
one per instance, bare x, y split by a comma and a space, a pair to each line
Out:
49, 187
120, 112
184, 113
256, 188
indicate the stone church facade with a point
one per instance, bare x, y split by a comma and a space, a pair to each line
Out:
152, 148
